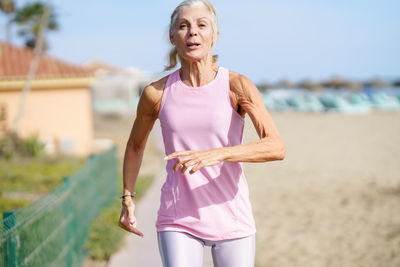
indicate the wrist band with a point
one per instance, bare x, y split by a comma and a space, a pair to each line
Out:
128, 195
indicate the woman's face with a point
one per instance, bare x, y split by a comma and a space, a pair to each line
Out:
193, 36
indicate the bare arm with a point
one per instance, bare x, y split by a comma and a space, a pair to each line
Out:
269, 147
145, 118
146, 115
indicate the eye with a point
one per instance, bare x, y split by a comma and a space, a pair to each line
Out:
182, 26
202, 24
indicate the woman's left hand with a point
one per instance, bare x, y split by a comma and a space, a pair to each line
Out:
196, 158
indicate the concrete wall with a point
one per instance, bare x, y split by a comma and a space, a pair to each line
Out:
62, 117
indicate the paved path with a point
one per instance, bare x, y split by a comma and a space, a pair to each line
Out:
139, 251
144, 252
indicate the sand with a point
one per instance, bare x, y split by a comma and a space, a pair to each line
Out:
333, 201
117, 128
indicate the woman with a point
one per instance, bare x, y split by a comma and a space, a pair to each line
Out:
201, 108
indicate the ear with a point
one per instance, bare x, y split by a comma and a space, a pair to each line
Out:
171, 38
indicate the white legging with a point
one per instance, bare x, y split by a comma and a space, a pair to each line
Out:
178, 249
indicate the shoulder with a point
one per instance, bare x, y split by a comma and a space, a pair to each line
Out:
239, 84
150, 99
155, 89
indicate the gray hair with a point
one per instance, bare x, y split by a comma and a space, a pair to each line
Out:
173, 54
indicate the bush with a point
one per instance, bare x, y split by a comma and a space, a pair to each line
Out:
12, 145
7, 147
32, 146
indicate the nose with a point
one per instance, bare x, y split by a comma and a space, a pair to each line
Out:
192, 31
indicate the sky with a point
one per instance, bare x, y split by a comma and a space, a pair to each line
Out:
265, 40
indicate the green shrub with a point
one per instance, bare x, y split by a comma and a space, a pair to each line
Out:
7, 147
32, 146
12, 145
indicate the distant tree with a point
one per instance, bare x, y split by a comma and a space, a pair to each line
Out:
378, 82
285, 83
8, 8
28, 18
334, 82
310, 85
263, 87
37, 52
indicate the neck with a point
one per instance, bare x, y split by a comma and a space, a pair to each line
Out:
197, 73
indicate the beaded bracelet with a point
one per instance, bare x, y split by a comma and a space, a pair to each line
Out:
128, 195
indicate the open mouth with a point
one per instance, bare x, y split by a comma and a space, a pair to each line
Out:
193, 45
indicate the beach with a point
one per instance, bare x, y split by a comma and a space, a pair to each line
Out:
335, 198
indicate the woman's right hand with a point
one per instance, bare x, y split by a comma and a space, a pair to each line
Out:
127, 220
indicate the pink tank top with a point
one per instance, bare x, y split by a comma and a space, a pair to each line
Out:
213, 203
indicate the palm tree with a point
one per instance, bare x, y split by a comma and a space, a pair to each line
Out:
8, 8
37, 52
28, 18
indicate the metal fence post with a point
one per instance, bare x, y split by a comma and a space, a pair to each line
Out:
10, 253
69, 228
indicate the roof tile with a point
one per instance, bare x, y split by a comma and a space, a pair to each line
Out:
15, 61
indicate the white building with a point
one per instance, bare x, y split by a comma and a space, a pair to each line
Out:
116, 90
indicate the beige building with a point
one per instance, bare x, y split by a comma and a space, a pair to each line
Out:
58, 107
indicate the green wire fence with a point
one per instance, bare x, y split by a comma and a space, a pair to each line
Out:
53, 230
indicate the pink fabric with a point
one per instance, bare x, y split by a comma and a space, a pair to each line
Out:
213, 203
